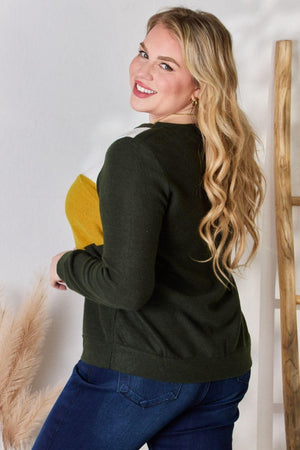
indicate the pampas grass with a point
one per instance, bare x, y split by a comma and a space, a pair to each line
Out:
21, 339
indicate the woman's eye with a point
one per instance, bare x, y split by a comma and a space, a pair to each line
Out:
143, 54
166, 67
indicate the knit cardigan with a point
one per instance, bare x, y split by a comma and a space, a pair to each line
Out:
153, 305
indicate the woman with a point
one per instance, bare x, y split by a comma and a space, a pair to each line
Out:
166, 350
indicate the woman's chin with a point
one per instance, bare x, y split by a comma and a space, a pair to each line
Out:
137, 107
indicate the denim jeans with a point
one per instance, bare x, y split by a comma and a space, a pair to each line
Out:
105, 409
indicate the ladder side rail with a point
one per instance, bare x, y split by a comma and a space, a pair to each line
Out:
285, 244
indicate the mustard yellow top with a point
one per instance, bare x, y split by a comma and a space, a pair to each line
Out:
83, 212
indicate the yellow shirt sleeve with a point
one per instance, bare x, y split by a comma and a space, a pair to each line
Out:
83, 212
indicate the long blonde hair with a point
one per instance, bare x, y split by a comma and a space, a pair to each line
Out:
233, 180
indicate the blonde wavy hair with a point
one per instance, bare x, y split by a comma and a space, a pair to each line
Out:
233, 180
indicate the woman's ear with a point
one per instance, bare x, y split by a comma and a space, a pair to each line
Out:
196, 93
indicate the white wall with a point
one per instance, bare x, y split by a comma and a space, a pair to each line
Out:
64, 95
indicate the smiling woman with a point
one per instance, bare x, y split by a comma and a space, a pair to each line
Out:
162, 85
166, 350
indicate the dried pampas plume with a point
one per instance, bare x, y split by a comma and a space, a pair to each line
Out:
21, 339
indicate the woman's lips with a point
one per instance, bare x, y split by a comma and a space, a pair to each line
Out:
142, 91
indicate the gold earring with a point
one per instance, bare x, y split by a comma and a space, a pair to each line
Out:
195, 103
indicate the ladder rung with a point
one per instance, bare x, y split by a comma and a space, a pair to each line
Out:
296, 201
277, 302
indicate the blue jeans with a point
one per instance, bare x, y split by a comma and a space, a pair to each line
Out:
105, 409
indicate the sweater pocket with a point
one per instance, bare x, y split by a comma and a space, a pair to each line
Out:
145, 392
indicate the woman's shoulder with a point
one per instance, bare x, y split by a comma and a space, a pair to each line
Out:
148, 144
131, 142
160, 135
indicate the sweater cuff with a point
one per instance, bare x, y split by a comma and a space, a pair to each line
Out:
61, 262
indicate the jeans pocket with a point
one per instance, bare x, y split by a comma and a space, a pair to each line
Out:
145, 392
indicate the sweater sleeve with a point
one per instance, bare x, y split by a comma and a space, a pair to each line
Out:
133, 192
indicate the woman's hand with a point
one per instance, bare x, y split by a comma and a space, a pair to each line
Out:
55, 280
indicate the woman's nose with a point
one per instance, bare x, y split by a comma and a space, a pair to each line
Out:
145, 70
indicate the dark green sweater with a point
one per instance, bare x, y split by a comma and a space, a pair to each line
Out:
151, 309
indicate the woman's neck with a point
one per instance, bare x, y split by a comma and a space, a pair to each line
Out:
180, 118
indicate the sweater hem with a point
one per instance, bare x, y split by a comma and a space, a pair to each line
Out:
187, 370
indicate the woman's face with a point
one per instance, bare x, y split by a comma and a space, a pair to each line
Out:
160, 82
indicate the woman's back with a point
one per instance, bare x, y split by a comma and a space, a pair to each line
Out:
175, 321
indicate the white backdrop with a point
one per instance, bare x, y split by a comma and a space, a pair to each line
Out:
64, 95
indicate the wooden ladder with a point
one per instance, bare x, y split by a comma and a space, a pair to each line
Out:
285, 244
